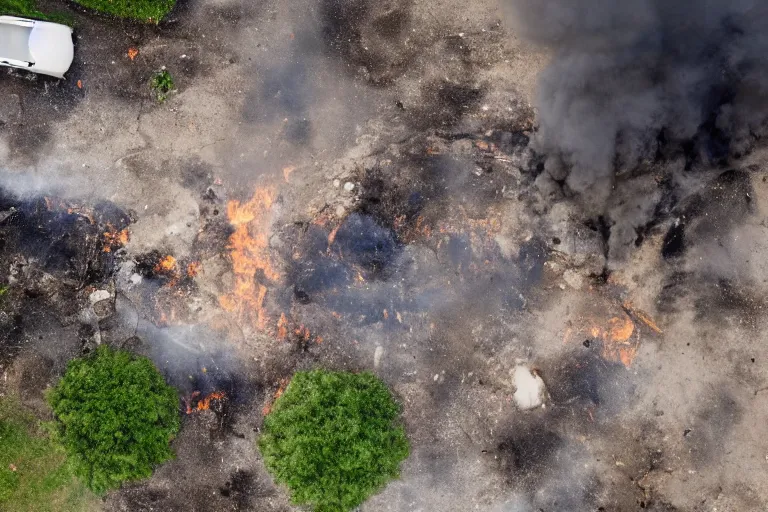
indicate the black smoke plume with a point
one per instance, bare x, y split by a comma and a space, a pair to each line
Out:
635, 81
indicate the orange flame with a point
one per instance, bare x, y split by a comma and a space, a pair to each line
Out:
302, 332
282, 327
249, 251
617, 343
280, 390
166, 266
194, 268
205, 403
115, 239
621, 339
332, 234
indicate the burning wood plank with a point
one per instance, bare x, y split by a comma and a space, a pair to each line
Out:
641, 315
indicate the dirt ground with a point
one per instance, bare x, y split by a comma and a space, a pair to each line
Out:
397, 220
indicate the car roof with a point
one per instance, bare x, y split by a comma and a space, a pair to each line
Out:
14, 40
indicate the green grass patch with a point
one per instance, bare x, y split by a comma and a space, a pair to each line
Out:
333, 438
34, 471
151, 11
28, 9
116, 417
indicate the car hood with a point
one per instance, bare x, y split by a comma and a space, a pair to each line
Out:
51, 47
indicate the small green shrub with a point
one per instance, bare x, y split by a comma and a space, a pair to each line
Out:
162, 84
333, 439
116, 417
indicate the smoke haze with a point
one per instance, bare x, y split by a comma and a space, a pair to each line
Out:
633, 81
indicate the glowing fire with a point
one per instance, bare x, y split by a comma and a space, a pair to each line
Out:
194, 268
204, 403
115, 239
54, 203
166, 266
302, 332
280, 390
249, 252
282, 327
618, 344
619, 336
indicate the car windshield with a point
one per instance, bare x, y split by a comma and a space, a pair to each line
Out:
14, 42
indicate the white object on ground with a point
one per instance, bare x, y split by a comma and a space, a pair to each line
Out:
530, 388
99, 295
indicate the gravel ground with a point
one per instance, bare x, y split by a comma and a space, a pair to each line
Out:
412, 231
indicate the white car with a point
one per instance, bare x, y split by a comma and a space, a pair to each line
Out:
37, 46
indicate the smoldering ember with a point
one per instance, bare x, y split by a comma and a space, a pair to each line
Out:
541, 224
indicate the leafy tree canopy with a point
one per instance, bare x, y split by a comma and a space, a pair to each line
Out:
333, 439
116, 417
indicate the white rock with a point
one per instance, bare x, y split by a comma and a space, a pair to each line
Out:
349, 186
530, 388
98, 296
377, 354
136, 278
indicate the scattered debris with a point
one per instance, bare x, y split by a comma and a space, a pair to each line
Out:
99, 295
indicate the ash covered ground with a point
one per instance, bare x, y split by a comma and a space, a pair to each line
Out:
361, 185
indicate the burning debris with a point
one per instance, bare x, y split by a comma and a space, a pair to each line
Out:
251, 261
56, 254
166, 284
114, 239
197, 403
166, 268
619, 336
424, 253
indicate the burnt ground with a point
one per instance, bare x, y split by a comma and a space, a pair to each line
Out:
396, 218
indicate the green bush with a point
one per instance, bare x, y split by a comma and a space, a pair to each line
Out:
116, 417
333, 439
